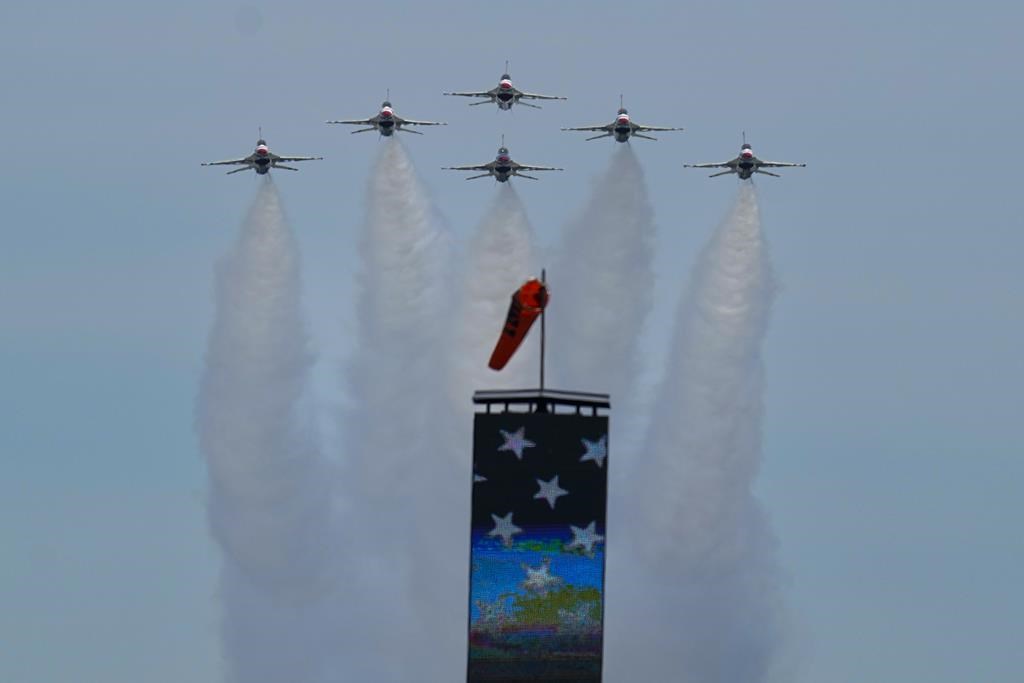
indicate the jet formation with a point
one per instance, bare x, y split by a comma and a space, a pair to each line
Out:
505, 95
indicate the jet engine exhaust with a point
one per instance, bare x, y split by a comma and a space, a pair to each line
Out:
602, 283
712, 596
269, 500
396, 467
501, 256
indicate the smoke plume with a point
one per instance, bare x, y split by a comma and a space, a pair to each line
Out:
398, 471
702, 537
269, 501
602, 284
500, 259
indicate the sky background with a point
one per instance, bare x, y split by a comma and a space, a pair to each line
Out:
893, 431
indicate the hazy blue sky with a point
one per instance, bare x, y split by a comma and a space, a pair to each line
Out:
894, 433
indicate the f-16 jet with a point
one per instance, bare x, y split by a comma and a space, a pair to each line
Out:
386, 122
505, 94
261, 160
502, 168
746, 164
622, 128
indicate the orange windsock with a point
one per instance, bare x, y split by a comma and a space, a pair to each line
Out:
527, 303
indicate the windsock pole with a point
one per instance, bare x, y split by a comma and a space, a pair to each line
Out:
544, 281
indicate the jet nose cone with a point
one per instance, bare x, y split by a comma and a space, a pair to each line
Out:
747, 154
386, 113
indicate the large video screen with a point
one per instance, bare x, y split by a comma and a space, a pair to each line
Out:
536, 597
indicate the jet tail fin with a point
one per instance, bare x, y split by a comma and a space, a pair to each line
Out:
598, 137
527, 104
238, 170
287, 168
774, 175
645, 137
715, 175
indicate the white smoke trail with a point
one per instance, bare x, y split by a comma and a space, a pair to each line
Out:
501, 258
269, 506
400, 529
602, 284
710, 590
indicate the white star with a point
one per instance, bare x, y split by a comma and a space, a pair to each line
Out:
515, 441
585, 539
504, 527
550, 491
596, 450
540, 580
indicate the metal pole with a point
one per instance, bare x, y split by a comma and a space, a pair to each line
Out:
543, 315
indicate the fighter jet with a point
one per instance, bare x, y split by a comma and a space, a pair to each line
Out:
746, 164
502, 168
261, 161
386, 122
622, 128
505, 95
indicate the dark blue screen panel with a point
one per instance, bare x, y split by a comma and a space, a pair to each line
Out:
538, 546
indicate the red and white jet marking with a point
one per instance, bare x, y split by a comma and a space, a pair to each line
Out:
261, 160
746, 164
505, 94
386, 122
622, 128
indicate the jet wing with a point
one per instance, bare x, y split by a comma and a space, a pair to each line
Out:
479, 93
480, 167
641, 127
359, 122
278, 158
722, 164
535, 96
227, 162
607, 126
526, 167
779, 164
414, 122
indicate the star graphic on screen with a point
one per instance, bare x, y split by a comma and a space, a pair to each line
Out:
550, 491
515, 441
584, 538
540, 579
504, 527
597, 451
